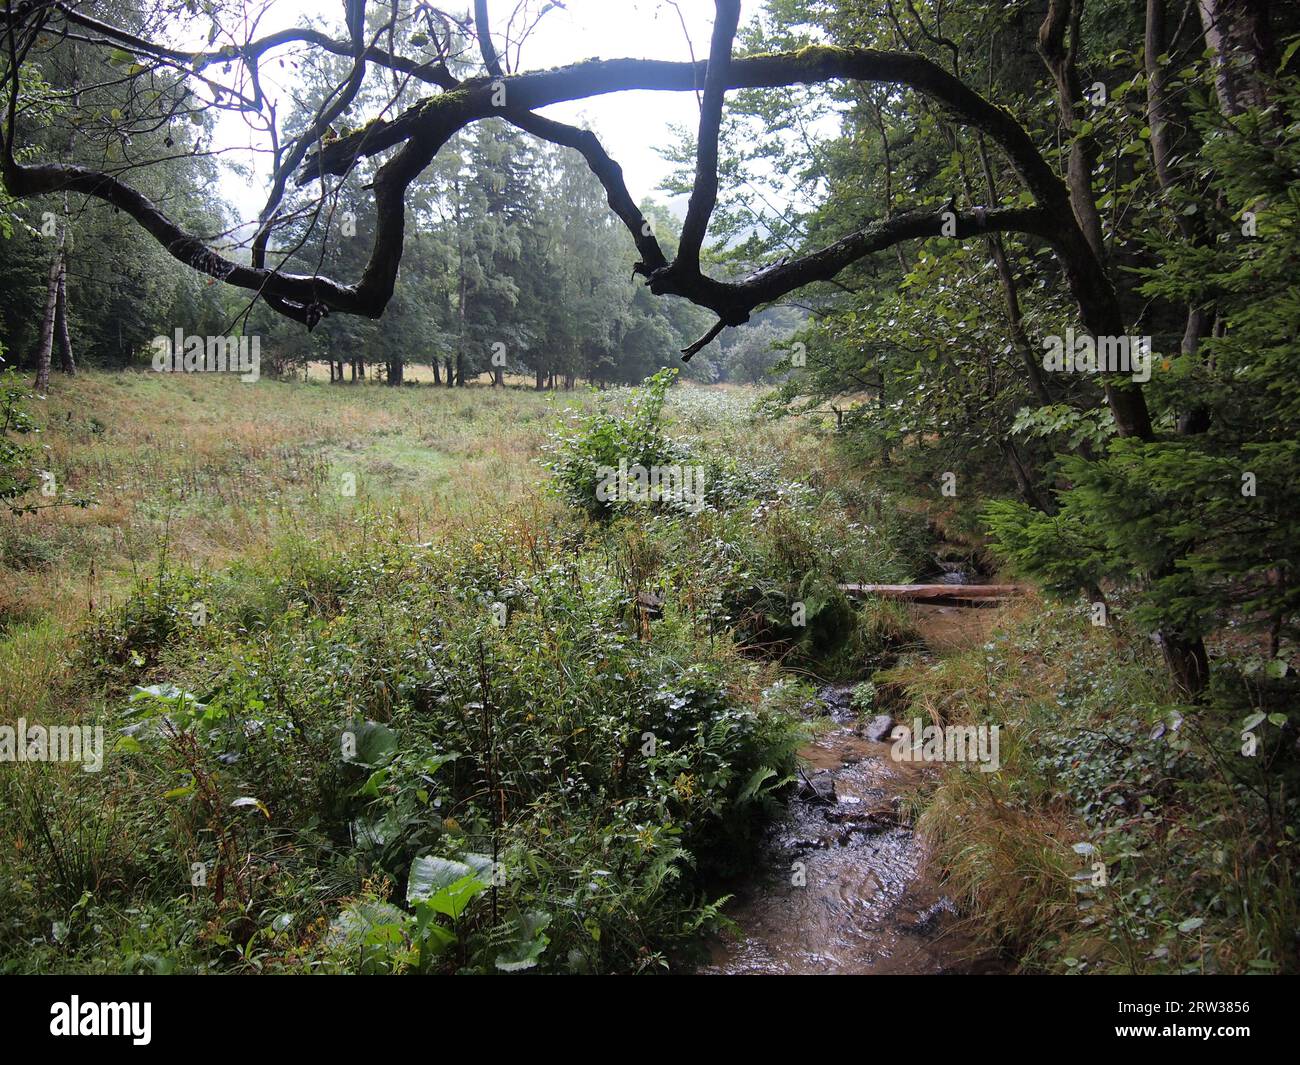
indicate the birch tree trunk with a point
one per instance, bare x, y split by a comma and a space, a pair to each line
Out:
67, 363
44, 348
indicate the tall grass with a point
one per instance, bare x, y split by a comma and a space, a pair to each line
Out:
326, 614
1109, 841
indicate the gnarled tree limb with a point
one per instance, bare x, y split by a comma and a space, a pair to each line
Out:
421, 131
704, 193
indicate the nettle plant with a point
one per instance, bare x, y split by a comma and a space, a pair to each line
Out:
17, 459
588, 445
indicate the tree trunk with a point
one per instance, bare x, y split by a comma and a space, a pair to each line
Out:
45, 345
1163, 117
1079, 247
1059, 42
461, 293
1010, 296
1239, 34
1081, 252
67, 363
1186, 660
1024, 482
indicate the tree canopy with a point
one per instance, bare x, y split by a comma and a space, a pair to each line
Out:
990, 161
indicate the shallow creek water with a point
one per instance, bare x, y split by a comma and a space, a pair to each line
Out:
842, 885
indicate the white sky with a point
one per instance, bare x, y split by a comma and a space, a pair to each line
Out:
631, 125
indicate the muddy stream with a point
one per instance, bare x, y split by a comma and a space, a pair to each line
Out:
842, 884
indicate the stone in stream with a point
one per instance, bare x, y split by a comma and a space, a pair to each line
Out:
831, 700
878, 728
835, 695
927, 920
877, 819
815, 708
819, 789
836, 700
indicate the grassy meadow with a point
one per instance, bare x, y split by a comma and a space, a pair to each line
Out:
204, 471
284, 599
467, 717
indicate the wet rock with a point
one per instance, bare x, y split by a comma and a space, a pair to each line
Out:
877, 819
927, 921
837, 701
878, 728
953, 573
818, 789
836, 696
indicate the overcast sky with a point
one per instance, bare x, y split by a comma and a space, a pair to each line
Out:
631, 125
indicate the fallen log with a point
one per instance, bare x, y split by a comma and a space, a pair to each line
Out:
939, 594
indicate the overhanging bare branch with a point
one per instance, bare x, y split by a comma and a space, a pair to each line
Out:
421, 131
704, 193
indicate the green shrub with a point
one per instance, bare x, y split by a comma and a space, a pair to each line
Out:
590, 444
609, 776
